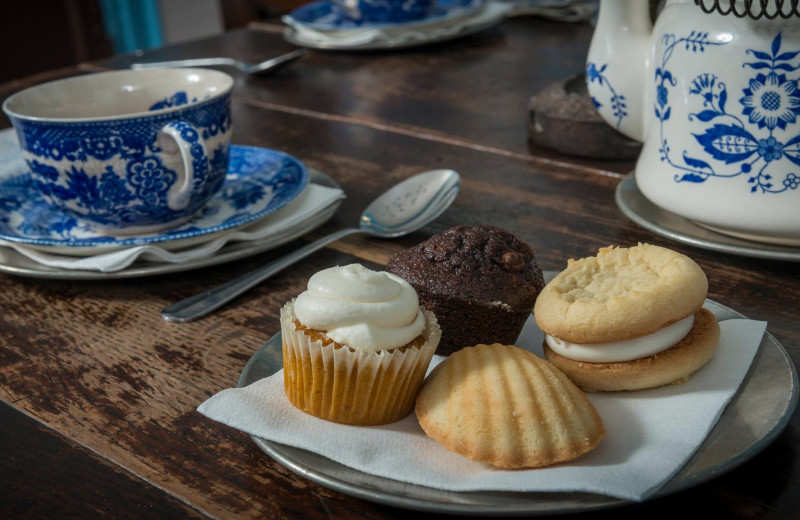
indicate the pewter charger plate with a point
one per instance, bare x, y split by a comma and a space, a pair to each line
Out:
758, 412
661, 222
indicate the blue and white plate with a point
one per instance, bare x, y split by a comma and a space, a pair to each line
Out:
328, 16
259, 182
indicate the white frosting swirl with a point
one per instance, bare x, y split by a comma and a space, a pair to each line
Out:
360, 308
624, 350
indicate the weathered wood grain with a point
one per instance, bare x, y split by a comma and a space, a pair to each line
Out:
473, 91
110, 389
560, 212
73, 482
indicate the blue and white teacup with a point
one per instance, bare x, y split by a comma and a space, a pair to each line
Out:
129, 151
386, 11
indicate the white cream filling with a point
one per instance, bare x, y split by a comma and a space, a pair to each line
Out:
362, 309
624, 350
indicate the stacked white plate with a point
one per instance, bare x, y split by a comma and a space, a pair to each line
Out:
268, 199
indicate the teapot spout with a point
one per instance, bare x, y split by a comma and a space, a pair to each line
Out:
618, 64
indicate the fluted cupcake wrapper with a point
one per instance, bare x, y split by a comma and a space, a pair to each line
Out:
351, 386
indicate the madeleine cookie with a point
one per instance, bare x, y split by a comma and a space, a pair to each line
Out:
627, 319
505, 406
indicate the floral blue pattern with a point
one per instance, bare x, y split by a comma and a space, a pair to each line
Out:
327, 15
132, 137
117, 176
755, 141
259, 182
150, 179
617, 100
177, 99
387, 11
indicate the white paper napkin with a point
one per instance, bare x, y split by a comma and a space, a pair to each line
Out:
650, 434
312, 200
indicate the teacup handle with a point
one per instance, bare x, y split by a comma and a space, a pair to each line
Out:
194, 173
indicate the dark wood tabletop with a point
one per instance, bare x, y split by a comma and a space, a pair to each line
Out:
99, 394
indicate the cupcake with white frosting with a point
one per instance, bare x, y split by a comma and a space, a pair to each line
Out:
356, 346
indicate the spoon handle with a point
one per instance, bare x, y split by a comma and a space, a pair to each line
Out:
201, 304
195, 62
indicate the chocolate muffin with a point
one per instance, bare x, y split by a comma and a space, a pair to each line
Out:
480, 281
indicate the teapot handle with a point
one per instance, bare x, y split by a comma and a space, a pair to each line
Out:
616, 65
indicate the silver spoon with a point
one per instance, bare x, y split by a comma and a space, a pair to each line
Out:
402, 209
251, 69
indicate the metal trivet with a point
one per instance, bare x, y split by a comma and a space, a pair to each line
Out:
754, 9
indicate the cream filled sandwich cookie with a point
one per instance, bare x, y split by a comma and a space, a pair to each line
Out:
628, 319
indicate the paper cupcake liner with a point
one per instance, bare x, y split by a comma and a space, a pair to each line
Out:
351, 386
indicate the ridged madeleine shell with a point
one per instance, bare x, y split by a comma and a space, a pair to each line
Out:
506, 406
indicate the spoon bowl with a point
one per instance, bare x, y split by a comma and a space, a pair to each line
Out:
411, 204
403, 209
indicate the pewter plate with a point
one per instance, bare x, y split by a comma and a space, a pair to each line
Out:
661, 222
12, 262
759, 411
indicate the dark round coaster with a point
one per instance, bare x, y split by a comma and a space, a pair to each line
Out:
562, 117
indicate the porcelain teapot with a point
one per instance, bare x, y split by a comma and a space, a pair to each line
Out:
712, 91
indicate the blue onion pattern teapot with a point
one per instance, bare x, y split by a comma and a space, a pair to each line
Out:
712, 91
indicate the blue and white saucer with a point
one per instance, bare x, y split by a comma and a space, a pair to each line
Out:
328, 16
259, 182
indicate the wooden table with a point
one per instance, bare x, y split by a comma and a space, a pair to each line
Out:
99, 395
